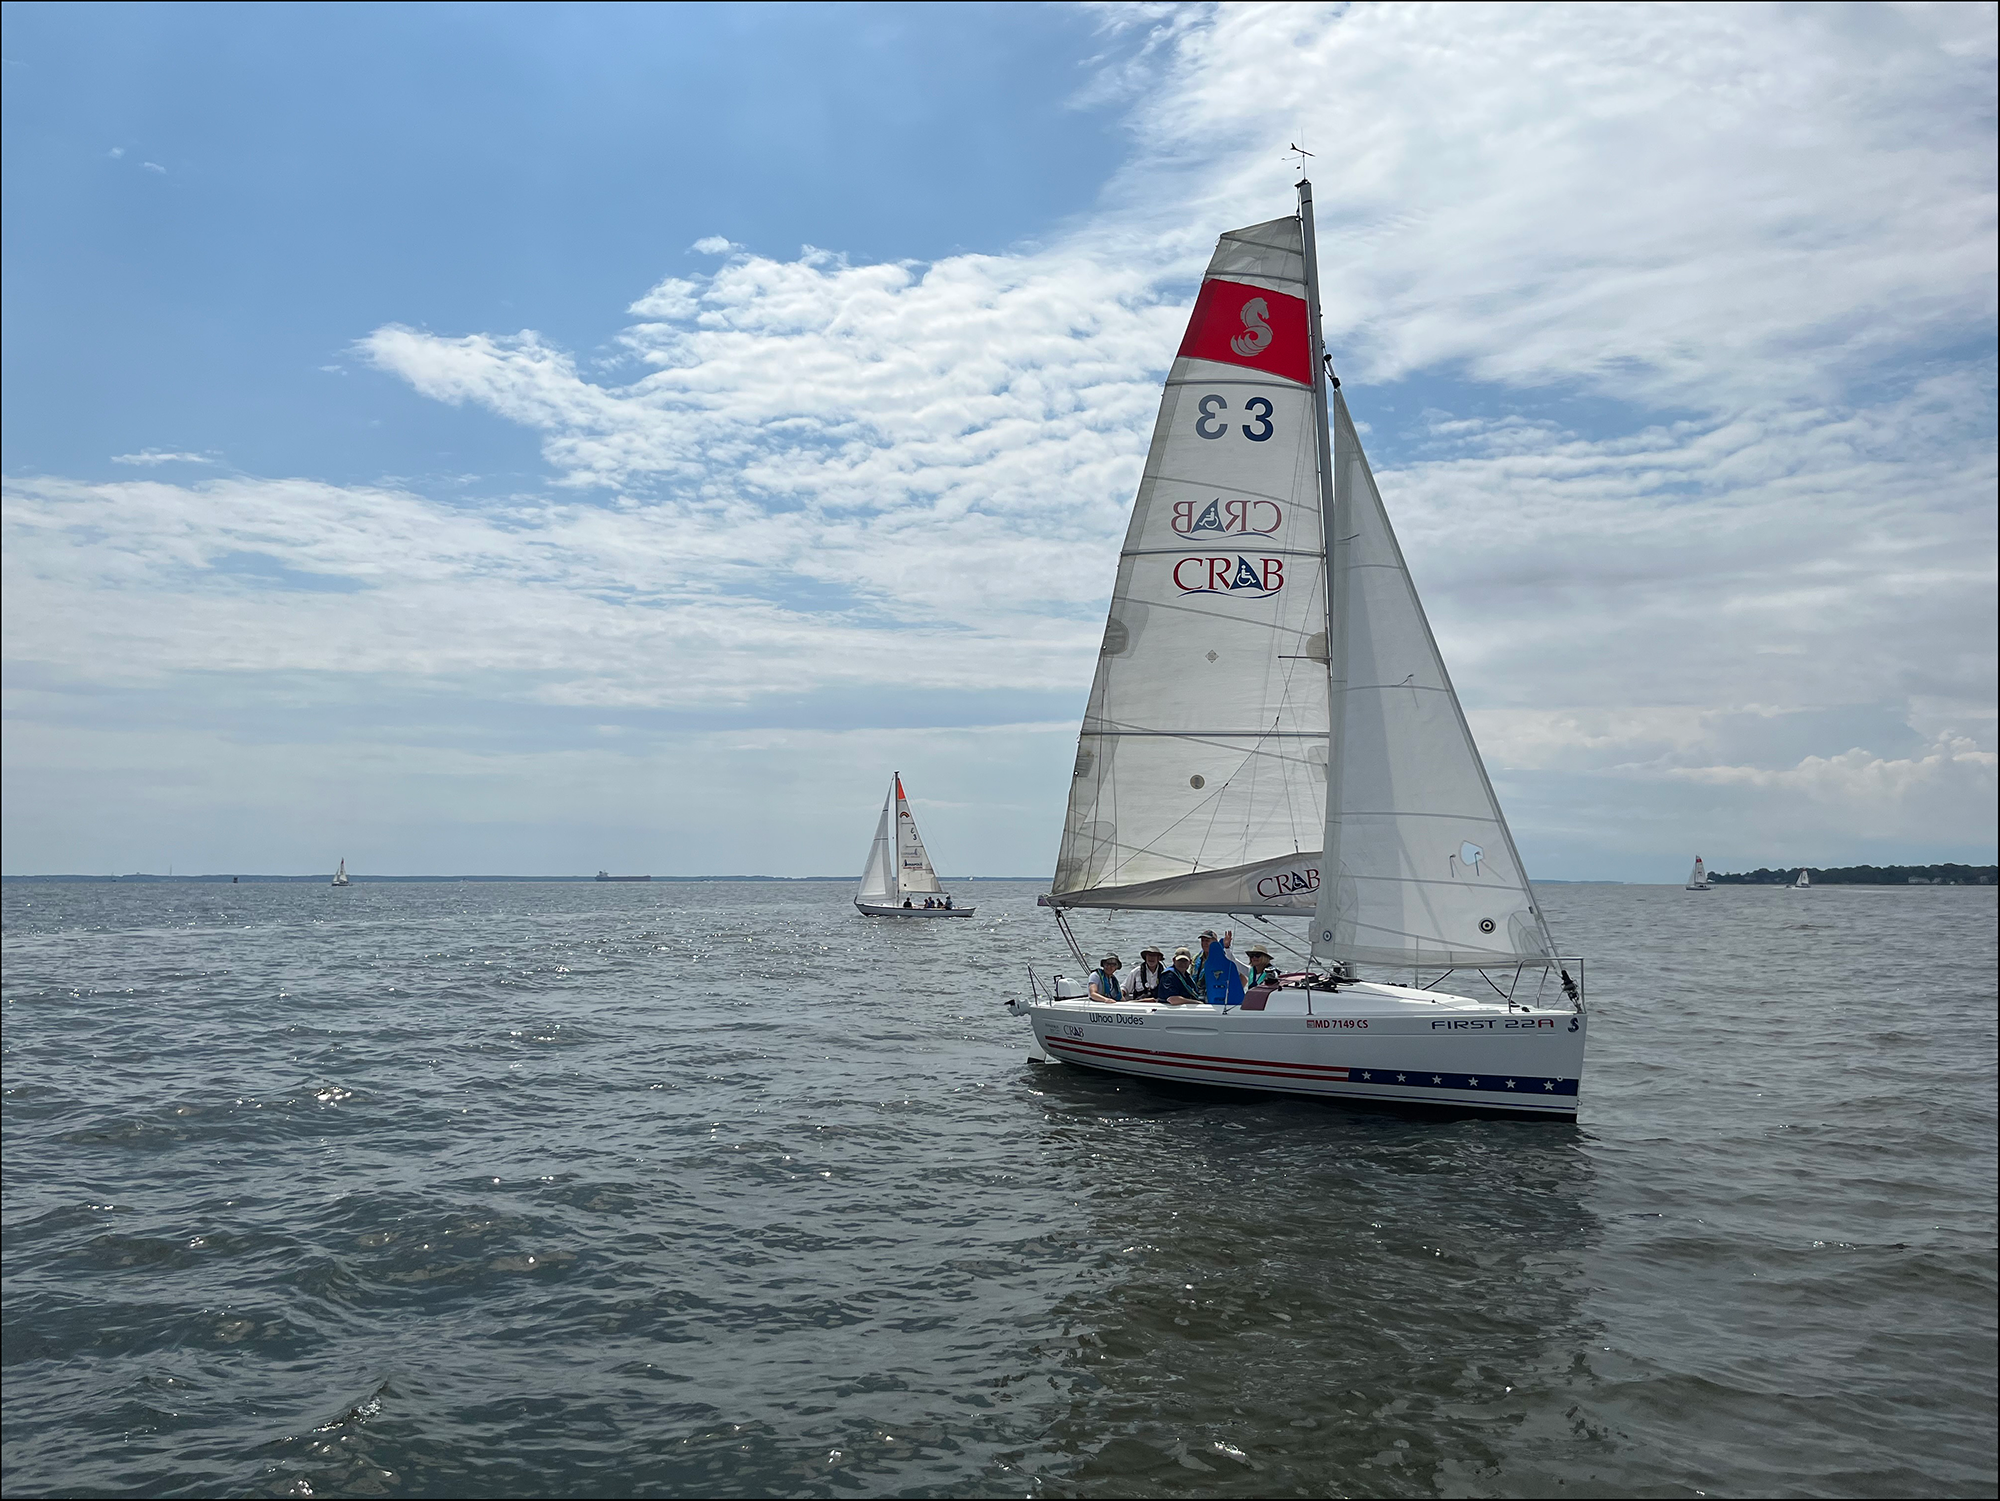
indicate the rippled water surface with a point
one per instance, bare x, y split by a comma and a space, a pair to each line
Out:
724, 1190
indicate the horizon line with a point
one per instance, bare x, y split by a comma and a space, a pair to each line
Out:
327, 875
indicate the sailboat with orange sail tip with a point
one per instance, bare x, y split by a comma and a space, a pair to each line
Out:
898, 880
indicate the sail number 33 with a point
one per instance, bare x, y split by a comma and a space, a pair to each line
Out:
1209, 425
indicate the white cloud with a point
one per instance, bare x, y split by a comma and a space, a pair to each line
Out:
115, 152
1950, 791
154, 167
1691, 204
1701, 298
160, 456
1855, 775
570, 603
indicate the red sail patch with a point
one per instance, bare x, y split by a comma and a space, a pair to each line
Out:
1250, 326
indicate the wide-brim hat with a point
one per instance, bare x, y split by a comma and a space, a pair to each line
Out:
1113, 961
1256, 953
1154, 952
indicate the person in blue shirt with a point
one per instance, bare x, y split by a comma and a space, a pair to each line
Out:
1177, 987
1219, 978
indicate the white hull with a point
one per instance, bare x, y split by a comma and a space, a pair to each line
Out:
1366, 1042
884, 909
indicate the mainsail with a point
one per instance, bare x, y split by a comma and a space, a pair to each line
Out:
1201, 769
1698, 877
898, 864
1204, 779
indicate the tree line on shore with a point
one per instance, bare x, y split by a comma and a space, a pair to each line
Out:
1864, 875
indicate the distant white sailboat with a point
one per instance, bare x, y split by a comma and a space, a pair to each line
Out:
1804, 882
340, 874
1271, 733
898, 880
1698, 877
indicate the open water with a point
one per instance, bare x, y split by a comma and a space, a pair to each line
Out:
723, 1190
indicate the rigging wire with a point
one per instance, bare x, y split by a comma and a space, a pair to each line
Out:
1274, 930
1062, 922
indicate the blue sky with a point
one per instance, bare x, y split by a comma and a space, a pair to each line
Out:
291, 177
520, 438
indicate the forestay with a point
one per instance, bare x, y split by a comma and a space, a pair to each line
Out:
1201, 768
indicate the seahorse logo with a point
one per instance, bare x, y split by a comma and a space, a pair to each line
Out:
1256, 333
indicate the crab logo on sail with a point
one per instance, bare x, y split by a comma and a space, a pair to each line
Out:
1237, 576
1288, 883
1224, 518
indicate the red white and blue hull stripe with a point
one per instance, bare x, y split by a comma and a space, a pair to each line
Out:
1410, 1067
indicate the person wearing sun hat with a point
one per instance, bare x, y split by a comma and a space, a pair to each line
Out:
1104, 984
1262, 970
1145, 982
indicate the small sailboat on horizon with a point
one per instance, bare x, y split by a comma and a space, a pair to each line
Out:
1698, 877
1804, 882
898, 880
340, 874
1271, 733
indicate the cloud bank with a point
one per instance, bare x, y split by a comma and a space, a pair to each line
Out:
1672, 328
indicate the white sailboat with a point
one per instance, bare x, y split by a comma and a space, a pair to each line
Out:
1804, 882
340, 874
1698, 877
1271, 733
898, 880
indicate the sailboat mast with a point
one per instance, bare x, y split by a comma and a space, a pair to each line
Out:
1332, 532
